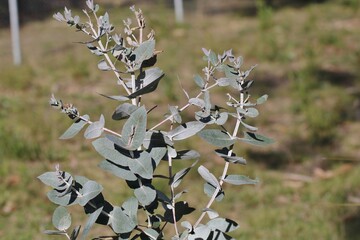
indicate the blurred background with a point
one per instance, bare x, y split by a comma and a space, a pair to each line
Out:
308, 57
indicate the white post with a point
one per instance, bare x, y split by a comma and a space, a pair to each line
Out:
15, 35
179, 10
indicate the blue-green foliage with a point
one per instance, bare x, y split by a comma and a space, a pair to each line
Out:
135, 153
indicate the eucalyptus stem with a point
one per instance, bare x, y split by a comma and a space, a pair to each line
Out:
172, 190
133, 86
67, 235
226, 166
104, 128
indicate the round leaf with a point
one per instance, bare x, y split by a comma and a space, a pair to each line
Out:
90, 190
216, 137
61, 218
145, 195
120, 222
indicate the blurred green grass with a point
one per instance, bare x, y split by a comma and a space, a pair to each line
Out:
308, 63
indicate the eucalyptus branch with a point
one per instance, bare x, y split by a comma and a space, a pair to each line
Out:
135, 154
73, 113
224, 172
172, 191
168, 118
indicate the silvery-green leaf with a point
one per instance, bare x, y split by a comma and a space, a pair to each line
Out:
241, 110
210, 190
90, 4
248, 127
120, 222
95, 129
223, 82
174, 111
176, 180
186, 130
256, 139
151, 233
145, 195
81, 180
197, 102
103, 66
207, 100
59, 17
222, 236
222, 224
262, 99
205, 51
65, 200
233, 158
61, 218
187, 154
118, 170
211, 213
213, 58
204, 117
89, 191
171, 152
94, 50
96, 8
130, 207
216, 137
54, 180
142, 165
75, 128
90, 222
200, 232
157, 153
199, 81
156, 139
252, 112
50, 179
221, 120
134, 129
124, 111
230, 72
209, 177
147, 81
187, 225
148, 76
143, 52
249, 104
239, 180
106, 148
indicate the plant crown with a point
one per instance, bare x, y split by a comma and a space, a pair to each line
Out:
135, 153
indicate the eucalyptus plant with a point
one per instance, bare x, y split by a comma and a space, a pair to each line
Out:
135, 153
